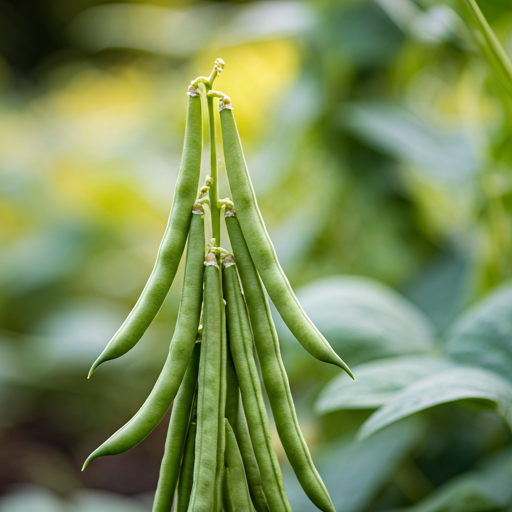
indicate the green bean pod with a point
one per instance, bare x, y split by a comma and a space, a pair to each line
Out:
205, 466
251, 465
187, 470
222, 409
236, 491
235, 416
241, 344
262, 249
180, 350
172, 245
232, 389
176, 436
274, 373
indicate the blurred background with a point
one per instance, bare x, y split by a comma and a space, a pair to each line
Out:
379, 141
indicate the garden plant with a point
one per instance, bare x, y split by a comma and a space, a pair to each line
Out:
218, 452
378, 138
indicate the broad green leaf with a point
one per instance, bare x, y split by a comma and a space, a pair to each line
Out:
487, 488
482, 336
377, 382
355, 472
440, 288
448, 386
363, 319
447, 155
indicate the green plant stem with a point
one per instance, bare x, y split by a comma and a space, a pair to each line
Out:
214, 189
490, 44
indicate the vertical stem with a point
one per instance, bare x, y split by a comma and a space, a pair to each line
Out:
206, 85
214, 189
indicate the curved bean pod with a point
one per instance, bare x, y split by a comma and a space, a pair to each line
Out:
176, 436
235, 484
205, 466
172, 245
235, 416
252, 399
263, 252
180, 350
274, 373
187, 471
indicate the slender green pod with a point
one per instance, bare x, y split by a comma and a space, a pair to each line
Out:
236, 490
172, 245
232, 389
241, 344
250, 463
187, 470
262, 250
274, 373
176, 436
180, 350
235, 416
222, 409
208, 395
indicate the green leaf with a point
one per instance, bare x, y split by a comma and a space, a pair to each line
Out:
363, 319
487, 488
448, 386
444, 154
355, 472
482, 336
377, 382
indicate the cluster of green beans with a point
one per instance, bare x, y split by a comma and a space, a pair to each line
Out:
218, 452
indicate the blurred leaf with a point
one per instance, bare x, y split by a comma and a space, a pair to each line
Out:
355, 472
363, 319
482, 336
41, 259
442, 153
440, 287
33, 499
377, 382
433, 25
448, 386
78, 331
100, 501
362, 33
37, 499
487, 488
184, 32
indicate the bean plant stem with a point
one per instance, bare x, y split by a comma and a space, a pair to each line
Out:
214, 189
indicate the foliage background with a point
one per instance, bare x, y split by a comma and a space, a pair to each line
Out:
379, 141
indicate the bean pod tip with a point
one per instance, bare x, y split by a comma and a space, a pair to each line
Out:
228, 261
192, 91
198, 209
94, 366
211, 260
225, 103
